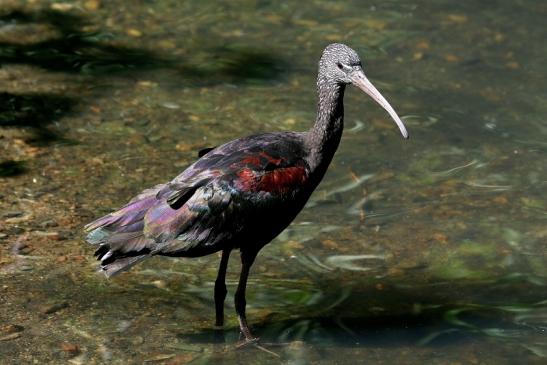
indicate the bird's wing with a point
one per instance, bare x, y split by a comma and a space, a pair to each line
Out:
152, 216
207, 203
241, 183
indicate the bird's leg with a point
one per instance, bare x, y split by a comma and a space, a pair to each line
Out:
220, 288
247, 260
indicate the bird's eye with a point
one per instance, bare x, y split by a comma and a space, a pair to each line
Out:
340, 66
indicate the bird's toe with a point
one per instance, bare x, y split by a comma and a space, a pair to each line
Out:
247, 342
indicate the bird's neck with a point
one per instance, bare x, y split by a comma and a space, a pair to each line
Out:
324, 137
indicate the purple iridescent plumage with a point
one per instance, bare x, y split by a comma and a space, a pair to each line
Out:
209, 205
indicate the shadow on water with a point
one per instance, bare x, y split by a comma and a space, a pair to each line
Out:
234, 65
12, 168
70, 49
35, 112
395, 318
387, 331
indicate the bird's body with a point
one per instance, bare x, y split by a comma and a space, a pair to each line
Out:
239, 195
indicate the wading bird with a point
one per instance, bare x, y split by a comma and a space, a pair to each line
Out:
239, 195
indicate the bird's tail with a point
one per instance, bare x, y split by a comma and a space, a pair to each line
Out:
113, 260
121, 265
120, 237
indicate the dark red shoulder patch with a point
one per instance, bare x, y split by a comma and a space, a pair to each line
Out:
282, 180
246, 179
261, 159
251, 160
277, 181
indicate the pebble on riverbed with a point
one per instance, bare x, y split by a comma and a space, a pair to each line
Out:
54, 307
12, 214
10, 328
10, 332
11, 336
70, 349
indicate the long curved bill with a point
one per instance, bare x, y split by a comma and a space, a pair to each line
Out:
359, 79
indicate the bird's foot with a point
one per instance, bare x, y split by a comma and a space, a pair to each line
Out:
254, 341
247, 341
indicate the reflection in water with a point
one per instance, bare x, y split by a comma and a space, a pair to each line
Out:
431, 251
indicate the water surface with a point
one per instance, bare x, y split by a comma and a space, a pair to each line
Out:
430, 250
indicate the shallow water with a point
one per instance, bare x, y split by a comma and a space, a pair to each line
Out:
430, 250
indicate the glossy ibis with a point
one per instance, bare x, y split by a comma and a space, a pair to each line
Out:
239, 195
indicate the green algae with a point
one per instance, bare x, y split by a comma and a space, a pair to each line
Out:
468, 261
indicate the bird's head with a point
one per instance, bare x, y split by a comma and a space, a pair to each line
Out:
342, 65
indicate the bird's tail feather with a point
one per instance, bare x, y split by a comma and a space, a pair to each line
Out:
121, 264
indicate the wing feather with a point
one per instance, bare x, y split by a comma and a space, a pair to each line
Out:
204, 205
